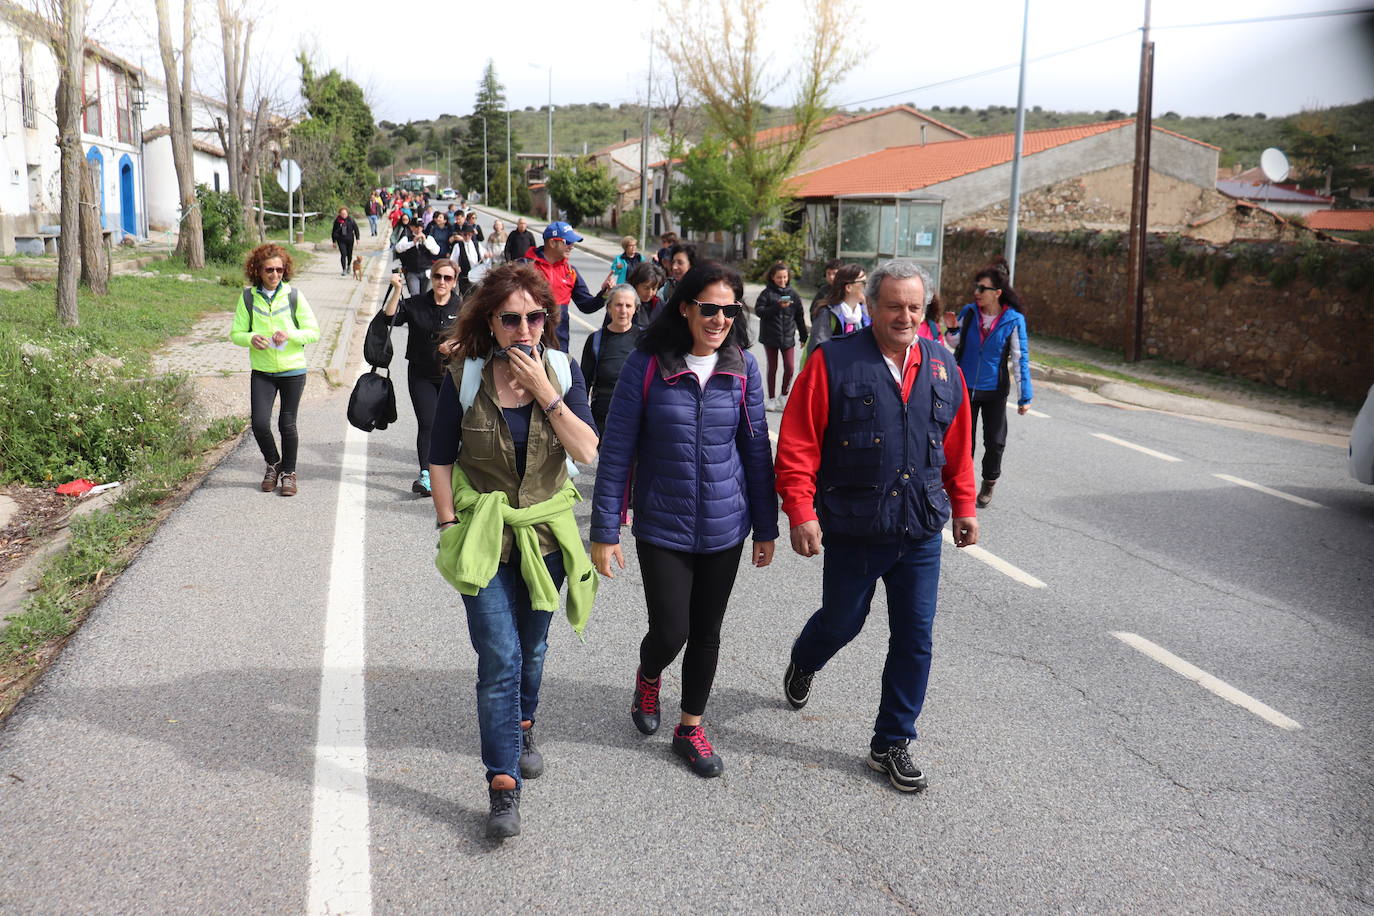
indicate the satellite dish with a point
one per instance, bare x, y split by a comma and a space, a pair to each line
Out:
1274, 164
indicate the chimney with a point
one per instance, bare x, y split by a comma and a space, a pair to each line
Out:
923, 135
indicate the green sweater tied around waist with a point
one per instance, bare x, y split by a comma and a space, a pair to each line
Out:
470, 551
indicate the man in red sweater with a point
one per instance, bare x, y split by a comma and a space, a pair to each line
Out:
875, 455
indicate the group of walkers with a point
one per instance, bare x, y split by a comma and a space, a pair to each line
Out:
874, 457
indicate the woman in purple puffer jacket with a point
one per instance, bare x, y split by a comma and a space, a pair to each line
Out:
687, 443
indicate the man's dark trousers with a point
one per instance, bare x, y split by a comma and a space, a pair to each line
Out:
910, 570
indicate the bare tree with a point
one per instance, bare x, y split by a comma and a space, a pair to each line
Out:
190, 242
236, 41
715, 48
69, 46
680, 121
95, 259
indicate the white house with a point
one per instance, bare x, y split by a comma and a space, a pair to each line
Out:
209, 163
30, 165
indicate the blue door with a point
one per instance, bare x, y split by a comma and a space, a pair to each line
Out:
128, 210
96, 163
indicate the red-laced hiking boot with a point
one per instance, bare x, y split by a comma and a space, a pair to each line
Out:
644, 709
689, 742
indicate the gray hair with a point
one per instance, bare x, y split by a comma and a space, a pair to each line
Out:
622, 288
898, 269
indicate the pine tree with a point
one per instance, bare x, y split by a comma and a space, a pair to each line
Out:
491, 106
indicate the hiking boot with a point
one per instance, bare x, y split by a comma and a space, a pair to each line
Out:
689, 742
270, 477
796, 685
985, 493
503, 820
896, 763
644, 709
531, 761
288, 483
421, 484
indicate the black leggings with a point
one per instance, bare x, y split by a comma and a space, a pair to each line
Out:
994, 433
424, 397
686, 594
346, 257
264, 388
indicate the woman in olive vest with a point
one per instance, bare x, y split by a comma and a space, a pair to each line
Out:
512, 411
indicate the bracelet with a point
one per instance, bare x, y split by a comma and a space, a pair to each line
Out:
553, 404
440, 526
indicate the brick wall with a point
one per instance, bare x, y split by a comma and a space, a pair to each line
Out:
1295, 335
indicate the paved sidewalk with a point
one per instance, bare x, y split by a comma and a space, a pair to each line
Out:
207, 351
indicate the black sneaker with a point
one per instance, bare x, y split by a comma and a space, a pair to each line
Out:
531, 761
896, 763
691, 745
796, 685
504, 818
644, 709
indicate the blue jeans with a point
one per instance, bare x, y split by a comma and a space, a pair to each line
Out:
910, 571
510, 639
372, 221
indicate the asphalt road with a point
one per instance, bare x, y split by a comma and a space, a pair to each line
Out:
169, 762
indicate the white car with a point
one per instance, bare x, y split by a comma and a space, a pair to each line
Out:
1362, 442
448, 194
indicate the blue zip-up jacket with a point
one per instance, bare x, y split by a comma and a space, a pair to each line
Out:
985, 362
698, 461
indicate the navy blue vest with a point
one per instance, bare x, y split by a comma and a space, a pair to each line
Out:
881, 457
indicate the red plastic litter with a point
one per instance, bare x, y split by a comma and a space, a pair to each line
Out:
75, 488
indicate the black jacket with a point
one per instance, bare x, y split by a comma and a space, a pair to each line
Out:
345, 231
782, 316
517, 243
603, 357
445, 237
426, 321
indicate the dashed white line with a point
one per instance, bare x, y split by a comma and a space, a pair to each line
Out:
1263, 489
340, 864
1032, 412
1207, 681
1139, 448
997, 563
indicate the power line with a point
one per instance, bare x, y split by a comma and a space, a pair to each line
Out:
1317, 14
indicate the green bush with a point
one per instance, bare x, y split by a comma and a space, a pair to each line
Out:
70, 411
772, 246
221, 225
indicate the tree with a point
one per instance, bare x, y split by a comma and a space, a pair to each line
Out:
732, 79
189, 240
95, 260
1319, 151
69, 45
714, 198
489, 107
679, 120
331, 143
581, 187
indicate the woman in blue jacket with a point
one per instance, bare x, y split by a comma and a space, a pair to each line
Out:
991, 340
687, 427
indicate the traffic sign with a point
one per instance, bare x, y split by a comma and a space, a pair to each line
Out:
289, 175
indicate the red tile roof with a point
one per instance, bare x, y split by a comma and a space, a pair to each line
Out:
907, 168
841, 120
1341, 220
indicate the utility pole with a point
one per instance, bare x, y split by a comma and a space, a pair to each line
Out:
509, 178
1140, 199
484, 161
1014, 210
549, 168
644, 154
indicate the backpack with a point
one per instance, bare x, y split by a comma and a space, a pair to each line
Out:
472, 381
372, 405
248, 307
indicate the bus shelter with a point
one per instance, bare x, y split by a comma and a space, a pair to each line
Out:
877, 228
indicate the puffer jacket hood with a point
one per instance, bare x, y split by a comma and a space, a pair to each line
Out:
696, 462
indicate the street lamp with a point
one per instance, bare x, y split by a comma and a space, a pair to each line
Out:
484, 160
549, 167
509, 180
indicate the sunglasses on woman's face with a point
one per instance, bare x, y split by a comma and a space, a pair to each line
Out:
447, 278
511, 320
980, 288
274, 270
732, 310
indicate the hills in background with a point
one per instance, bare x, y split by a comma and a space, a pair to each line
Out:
1242, 137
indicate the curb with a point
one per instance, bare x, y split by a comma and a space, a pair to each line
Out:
334, 372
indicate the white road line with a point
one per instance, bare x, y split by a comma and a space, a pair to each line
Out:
1263, 489
997, 563
1207, 681
1139, 448
340, 864
1032, 412
584, 322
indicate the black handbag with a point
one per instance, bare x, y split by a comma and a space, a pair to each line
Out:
372, 405
377, 341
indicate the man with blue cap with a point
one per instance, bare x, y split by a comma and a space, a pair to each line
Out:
551, 259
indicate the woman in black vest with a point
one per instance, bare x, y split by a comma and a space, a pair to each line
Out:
417, 252
428, 315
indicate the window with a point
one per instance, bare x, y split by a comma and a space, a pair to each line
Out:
90, 92
27, 102
124, 120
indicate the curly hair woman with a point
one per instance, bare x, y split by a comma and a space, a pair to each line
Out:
274, 322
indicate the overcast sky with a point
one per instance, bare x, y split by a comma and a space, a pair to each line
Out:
599, 50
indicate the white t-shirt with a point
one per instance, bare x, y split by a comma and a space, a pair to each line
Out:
895, 369
702, 366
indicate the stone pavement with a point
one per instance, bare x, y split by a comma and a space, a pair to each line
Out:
207, 352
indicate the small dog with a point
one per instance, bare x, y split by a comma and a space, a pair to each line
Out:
357, 267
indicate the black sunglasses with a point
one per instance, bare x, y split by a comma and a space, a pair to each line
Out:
511, 320
447, 278
980, 288
732, 310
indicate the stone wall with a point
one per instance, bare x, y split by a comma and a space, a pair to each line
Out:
1295, 334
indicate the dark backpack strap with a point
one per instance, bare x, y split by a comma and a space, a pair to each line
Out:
248, 306
291, 299
963, 333
596, 344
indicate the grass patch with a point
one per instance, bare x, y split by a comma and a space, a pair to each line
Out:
1078, 365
